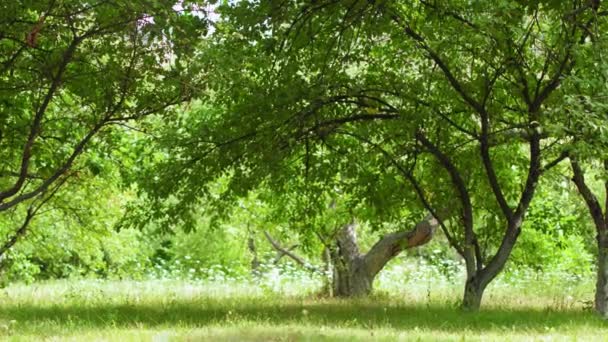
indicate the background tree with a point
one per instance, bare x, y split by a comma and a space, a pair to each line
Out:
585, 130
72, 75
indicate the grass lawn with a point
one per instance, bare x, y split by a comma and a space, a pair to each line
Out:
172, 310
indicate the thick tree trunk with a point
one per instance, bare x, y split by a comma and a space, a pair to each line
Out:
601, 290
351, 277
392, 244
350, 280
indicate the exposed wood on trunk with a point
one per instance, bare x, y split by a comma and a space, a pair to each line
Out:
347, 242
350, 276
392, 244
354, 272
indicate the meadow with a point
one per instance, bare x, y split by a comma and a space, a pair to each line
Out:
409, 304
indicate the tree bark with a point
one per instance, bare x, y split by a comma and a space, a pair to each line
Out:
473, 292
392, 244
351, 277
601, 289
328, 288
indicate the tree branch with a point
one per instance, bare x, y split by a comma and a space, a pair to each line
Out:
589, 197
453, 81
465, 200
392, 244
30, 214
36, 123
555, 161
299, 260
489, 167
78, 149
19, 232
417, 188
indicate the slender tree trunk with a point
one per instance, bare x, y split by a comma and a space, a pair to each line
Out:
600, 219
479, 276
255, 262
601, 289
328, 288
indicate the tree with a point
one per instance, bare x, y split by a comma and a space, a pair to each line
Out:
75, 235
456, 100
351, 272
585, 130
72, 75
598, 214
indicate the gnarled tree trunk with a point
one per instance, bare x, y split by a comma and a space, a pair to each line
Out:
352, 272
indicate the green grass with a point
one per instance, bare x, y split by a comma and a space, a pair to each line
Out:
174, 310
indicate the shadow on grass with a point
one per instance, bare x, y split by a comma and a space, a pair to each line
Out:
339, 313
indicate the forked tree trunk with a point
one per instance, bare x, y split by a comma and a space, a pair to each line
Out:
601, 289
354, 272
479, 275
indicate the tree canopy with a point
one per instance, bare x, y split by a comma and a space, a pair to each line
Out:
458, 106
72, 75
